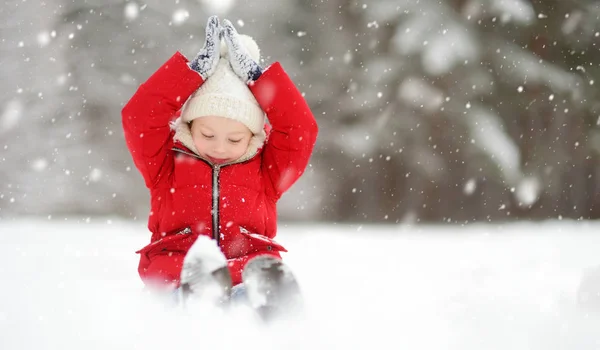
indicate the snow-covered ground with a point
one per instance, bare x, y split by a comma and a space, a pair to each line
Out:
73, 284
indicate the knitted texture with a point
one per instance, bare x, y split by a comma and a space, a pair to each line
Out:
241, 54
224, 94
205, 62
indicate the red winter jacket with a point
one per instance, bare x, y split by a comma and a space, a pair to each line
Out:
234, 204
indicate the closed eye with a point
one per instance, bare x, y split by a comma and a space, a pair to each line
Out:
235, 141
208, 136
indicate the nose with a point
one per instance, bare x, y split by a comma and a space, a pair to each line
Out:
219, 147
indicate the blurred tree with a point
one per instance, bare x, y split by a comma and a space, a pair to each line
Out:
453, 111
486, 114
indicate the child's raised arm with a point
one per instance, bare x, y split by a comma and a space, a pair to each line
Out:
147, 115
294, 129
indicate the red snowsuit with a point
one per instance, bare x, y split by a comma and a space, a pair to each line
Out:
234, 204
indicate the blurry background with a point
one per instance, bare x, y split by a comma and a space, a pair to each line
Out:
430, 111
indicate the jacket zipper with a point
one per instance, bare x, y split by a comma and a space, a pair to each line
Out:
215, 203
216, 169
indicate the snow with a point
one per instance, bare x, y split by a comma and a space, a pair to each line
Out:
488, 132
572, 21
356, 142
449, 50
72, 285
11, 116
206, 251
218, 6
529, 190
441, 53
203, 258
420, 94
525, 64
132, 11
470, 187
43, 38
180, 16
518, 10
39, 164
95, 175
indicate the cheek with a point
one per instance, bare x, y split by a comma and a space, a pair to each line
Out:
200, 144
240, 148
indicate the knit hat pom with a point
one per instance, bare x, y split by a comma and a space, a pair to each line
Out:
248, 43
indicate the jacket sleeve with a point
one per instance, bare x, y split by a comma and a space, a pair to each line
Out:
294, 129
147, 115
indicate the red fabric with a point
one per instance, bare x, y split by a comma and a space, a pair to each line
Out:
181, 185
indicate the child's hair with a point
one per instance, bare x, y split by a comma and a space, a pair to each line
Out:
224, 94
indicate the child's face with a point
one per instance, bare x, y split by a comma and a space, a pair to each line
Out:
220, 139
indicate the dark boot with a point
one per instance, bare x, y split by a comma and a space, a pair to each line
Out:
205, 276
271, 288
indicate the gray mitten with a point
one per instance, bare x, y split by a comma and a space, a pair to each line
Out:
208, 57
242, 63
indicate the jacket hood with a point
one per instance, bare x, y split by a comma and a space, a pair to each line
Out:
183, 134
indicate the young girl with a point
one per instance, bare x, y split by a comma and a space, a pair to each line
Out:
217, 171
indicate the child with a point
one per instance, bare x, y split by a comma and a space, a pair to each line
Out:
217, 171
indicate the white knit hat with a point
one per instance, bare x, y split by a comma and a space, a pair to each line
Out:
224, 94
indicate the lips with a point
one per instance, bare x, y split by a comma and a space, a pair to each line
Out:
217, 160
